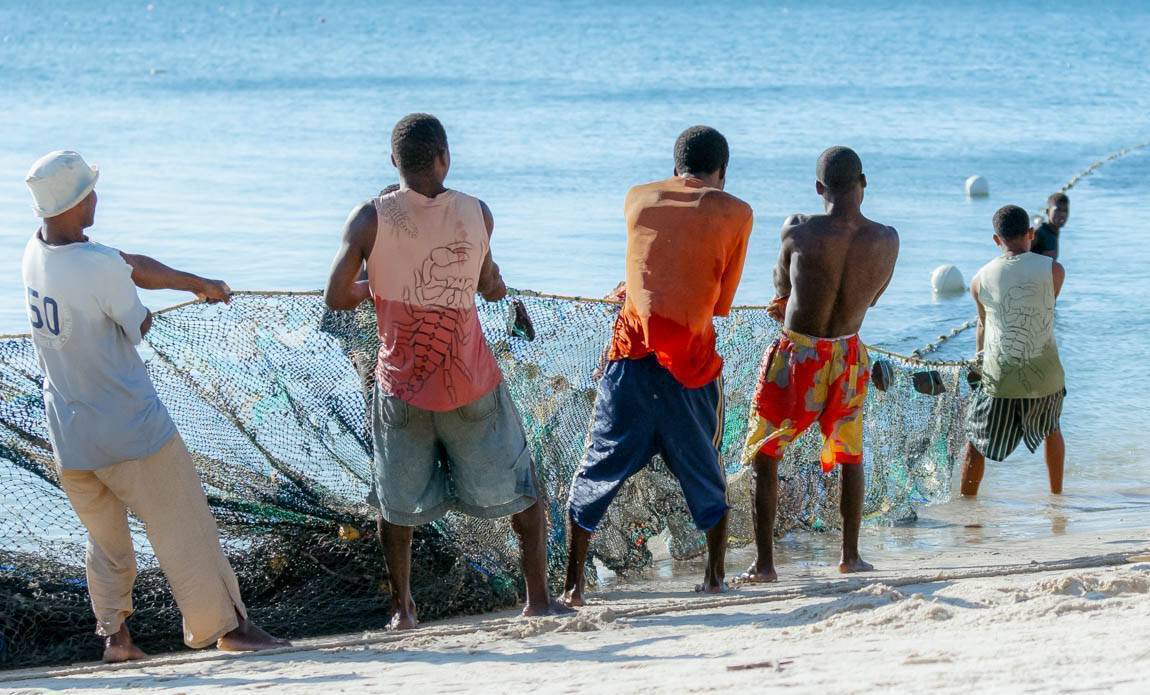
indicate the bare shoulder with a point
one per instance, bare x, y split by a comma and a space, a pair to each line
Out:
883, 231
361, 223
795, 226
488, 218
892, 238
884, 235
362, 214
796, 220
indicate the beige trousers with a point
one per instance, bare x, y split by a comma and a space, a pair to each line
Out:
164, 491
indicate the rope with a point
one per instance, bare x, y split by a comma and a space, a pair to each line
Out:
1094, 166
931, 347
914, 356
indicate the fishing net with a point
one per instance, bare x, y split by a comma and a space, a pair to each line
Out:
269, 394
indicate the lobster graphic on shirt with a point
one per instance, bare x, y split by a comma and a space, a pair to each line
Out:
1026, 330
438, 304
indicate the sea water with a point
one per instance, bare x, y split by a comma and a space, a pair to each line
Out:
234, 138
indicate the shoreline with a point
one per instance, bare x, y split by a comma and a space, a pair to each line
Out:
809, 606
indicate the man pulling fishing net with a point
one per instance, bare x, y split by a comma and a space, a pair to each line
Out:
115, 446
445, 432
661, 390
832, 268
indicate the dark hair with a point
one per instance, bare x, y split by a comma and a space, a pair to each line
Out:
416, 141
838, 169
1011, 222
1057, 199
701, 149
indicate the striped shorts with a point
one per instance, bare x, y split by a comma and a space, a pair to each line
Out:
995, 426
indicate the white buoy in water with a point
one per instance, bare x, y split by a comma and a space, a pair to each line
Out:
977, 187
947, 279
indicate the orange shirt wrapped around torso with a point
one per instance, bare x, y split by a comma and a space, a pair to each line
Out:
686, 244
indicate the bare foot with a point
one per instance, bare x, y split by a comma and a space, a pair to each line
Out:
711, 588
553, 607
573, 598
403, 618
756, 576
249, 637
855, 565
119, 648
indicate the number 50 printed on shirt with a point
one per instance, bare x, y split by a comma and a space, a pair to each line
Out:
47, 318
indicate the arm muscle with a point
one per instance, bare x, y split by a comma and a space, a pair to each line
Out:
150, 274
894, 260
491, 285
344, 288
782, 274
981, 328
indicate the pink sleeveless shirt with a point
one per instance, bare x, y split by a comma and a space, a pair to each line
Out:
423, 272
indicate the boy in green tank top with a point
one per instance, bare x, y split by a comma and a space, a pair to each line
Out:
1019, 397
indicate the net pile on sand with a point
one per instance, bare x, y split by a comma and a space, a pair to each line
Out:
268, 394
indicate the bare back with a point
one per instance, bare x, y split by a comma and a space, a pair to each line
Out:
833, 270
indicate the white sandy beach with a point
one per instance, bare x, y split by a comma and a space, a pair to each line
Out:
1064, 614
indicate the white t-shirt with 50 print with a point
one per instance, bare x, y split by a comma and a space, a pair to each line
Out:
85, 317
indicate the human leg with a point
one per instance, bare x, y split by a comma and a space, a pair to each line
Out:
973, 466
1040, 422
715, 572
411, 489
765, 482
396, 543
480, 439
578, 542
109, 561
530, 525
690, 437
841, 423
1055, 455
994, 427
851, 507
788, 398
165, 492
621, 441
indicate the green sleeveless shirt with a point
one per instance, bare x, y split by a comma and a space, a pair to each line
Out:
1020, 356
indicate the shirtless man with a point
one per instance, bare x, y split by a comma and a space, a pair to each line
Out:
831, 269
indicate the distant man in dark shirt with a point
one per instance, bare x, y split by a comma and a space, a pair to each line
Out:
1046, 235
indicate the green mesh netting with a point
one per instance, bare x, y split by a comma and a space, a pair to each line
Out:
269, 397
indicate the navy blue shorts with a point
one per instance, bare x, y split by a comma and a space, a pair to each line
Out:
640, 411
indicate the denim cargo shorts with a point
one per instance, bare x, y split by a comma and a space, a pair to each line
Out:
473, 459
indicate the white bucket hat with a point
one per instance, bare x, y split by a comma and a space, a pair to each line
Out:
59, 181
